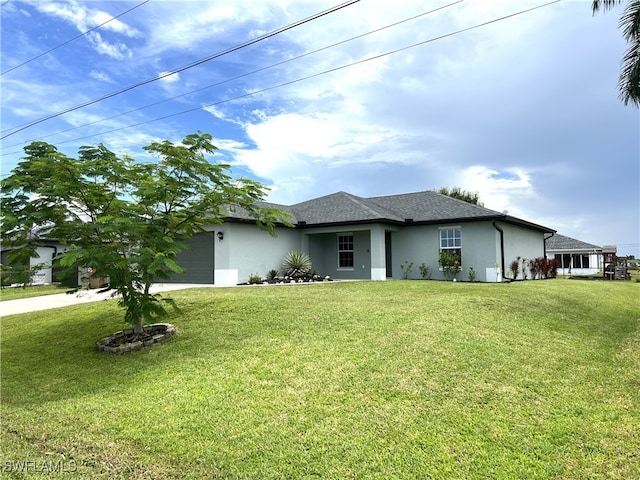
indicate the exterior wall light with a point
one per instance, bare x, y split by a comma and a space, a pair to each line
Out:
220, 236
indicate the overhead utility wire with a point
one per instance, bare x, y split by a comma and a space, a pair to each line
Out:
72, 39
248, 73
495, 20
186, 67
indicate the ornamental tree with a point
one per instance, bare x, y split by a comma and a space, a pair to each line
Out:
125, 220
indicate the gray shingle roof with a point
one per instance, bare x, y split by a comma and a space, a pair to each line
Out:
341, 207
561, 242
418, 207
432, 206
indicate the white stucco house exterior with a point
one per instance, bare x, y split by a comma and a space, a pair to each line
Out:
46, 253
351, 237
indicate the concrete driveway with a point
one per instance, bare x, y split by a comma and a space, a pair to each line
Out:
45, 302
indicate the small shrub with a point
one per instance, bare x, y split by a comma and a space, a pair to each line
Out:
406, 269
472, 274
535, 267
255, 278
450, 263
542, 267
515, 268
297, 265
425, 271
524, 268
551, 268
273, 274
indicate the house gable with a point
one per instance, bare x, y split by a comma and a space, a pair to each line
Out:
341, 208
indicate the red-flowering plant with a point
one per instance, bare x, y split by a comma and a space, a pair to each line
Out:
451, 263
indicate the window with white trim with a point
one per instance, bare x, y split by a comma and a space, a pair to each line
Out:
576, 260
451, 241
345, 250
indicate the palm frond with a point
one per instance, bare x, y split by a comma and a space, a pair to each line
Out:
629, 82
596, 5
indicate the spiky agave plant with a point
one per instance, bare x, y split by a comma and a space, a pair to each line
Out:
297, 265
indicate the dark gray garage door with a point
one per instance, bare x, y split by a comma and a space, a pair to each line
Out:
198, 260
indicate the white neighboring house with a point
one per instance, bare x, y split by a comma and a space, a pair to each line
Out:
46, 253
574, 256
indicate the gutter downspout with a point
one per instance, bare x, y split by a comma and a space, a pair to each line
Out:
499, 229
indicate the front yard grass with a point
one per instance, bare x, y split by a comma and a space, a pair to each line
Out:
14, 293
396, 379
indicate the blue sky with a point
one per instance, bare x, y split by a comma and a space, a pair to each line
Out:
523, 110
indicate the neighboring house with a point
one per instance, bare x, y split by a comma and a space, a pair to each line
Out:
350, 237
46, 253
575, 257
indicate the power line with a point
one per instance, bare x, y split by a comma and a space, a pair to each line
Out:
186, 67
308, 77
72, 39
252, 72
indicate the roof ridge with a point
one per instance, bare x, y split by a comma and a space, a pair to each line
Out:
468, 203
362, 202
559, 238
382, 198
426, 207
315, 199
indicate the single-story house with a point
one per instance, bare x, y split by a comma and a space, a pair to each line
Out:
574, 257
351, 237
46, 253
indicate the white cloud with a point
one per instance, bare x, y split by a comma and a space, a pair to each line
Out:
168, 77
215, 112
131, 144
107, 22
117, 50
84, 19
32, 99
170, 83
199, 22
509, 189
100, 76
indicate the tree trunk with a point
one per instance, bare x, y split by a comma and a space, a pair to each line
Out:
138, 328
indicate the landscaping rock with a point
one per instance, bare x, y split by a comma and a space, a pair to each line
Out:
126, 341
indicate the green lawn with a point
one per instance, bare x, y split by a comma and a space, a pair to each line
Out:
14, 293
396, 379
